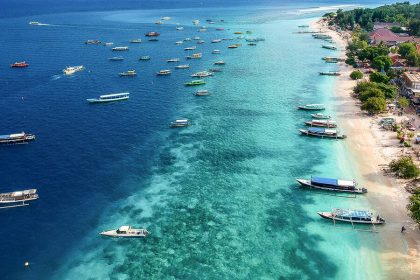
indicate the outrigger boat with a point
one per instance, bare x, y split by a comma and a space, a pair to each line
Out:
322, 123
312, 107
16, 138
195, 83
202, 74
126, 232
17, 198
128, 73
330, 184
331, 73
352, 216
110, 98
163, 72
194, 56
320, 116
181, 123
322, 133
329, 47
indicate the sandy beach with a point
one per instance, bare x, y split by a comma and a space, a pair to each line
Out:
372, 149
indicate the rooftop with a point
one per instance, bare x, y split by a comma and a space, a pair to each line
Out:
383, 34
413, 76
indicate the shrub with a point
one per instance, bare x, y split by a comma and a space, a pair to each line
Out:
356, 75
382, 62
414, 206
374, 105
379, 77
372, 92
404, 168
403, 102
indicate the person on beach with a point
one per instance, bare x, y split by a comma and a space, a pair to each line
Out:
402, 229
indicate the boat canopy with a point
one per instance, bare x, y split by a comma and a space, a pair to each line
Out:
124, 228
353, 213
331, 181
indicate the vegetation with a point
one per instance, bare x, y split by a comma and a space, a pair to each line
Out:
356, 75
382, 63
374, 105
409, 52
414, 206
379, 77
405, 168
403, 102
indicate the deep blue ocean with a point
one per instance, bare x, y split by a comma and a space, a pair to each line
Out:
217, 196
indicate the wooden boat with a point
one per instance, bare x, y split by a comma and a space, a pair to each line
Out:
129, 73
181, 123
183, 66
331, 73
352, 216
163, 72
17, 198
320, 116
195, 83
110, 98
126, 232
322, 133
322, 123
16, 138
312, 107
329, 47
332, 184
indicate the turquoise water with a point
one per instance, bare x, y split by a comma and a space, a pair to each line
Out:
221, 202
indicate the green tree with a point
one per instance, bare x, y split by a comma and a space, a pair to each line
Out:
413, 59
403, 102
379, 77
404, 168
372, 92
390, 91
374, 105
414, 206
414, 27
356, 75
405, 49
381, 62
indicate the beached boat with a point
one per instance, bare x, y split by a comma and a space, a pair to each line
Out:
331, 73
21, 64
194, 56
202, 92
128, 73
135, 41
216, 41
181, 123
173, 60
164, 72
312, 107
152, 34
93, 42
216, 52
202, 74
145, 57
17, 198
16, 138
116, 58
126, 232
320, 116
110, 98
120, 49
73, 69
220, 62
329, 47
195, 83
322, 123
352, 216
190, 48
183, 66
332, 184
322, 133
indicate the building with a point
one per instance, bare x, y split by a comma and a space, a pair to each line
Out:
387, 25
410, 82
386, 36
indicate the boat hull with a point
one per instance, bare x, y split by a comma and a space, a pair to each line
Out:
315, 124
321, 135
307, 183
311, 108
330, 216
94, 100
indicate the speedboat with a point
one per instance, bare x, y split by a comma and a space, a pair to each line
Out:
110, 98
322, 133
173, 60
73, 69
322, 123
21, 64
163, 72
195, 83
116, 58
352, 216
332, 184
202, 74
120, 49
146, 57
126, 232
17, 198
135, 41
202, 92
220, 62
215, 52
183, 66
16, 138
312, 107
181, 123
128, 73
194, 56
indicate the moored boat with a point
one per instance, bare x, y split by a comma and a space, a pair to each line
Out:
135, 41
73, 69
234, 46
173, 60
108, 44
93, 42
153, 39
322, 123
152, 34
116, 58
196, 22
216, 41
332, 184
200, 42
16, 138
312, 107
21, 64
163, 72
120, 49
179, 42
220, 62
215, 70
145, 57
331, 73
195, 83
128, 73
322, 133
329, 47
179, 28
183, 66
303, 26
215, 52
194, 56
190, 48
126, 232
181, 123
320, 116
202, 74
202, 92
352, 216
17, 198
110, 98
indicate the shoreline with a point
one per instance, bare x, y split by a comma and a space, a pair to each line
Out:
372, 149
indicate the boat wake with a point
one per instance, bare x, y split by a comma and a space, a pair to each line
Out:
56, 77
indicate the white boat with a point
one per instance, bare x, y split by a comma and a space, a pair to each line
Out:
181, 123
215, 52
73, 69
202, 74
159, 22
183, 66
17, 198
216, 41
173, 60
166, 18
120, 49
110, 97
34, 23
202, 92
187, 39
179, 28
196, 22
163, 72
126, 232
196, 38
179, 42
108, 44
194, 56
135, 41
352, 216
190, 48
220, 62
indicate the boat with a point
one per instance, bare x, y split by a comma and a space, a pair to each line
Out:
216, 41
16, 138
126, 232
116, 58
17, 198
34, 23
234, 46
120, 49
180, 28
93, 42
252, 44
21, 64
196, 38
321, 36
215, 52
110, 97
195, 83
240, 37
322, 123
202, 74
190, 48
187, 39
173, 60
153, 39
181, 123
166, 18
202, 30
145, 57
159, 22
322, 133
331, 73
214, 70
152, 34
220, 62
135, 41
312, 107
332, 184
183, 66
238, 32
220, 29
73, 69
163, 72
179, 42
128, 73
333, 58
203, 92
194, 56
303, 26
108, 44
320, 116
200, 42
196, 22
329, 47
331, 61
352, 216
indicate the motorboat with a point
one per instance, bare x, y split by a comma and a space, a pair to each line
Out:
152, 34
320, 116
331, 73
93, 42
179, 42
312, 107
194, 56
135, 41
216, 41
126, 232
332, 184
329, 47
16, 138
163, 72
202, 74
173, 60
17, 198
195, 83
181, 123
322, 123
183, 66
145, 57
196, 22
234, 46
108, 44
200, 42
202, 92
110, 98
128, 73
352, 216
220, 62
216, 52
73, 69
322, 133
120, 49
190, 48
153, 39
179, 28
116, 58
21, 64
215, 70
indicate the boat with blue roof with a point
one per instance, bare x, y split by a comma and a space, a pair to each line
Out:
333, 184
322, 133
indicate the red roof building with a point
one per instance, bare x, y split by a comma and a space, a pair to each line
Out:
386, 36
